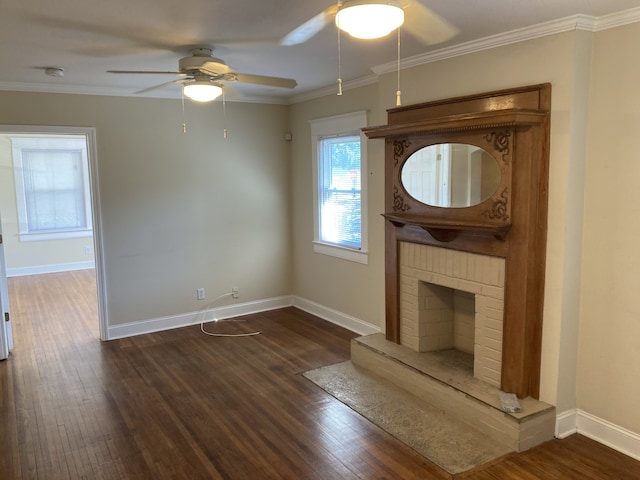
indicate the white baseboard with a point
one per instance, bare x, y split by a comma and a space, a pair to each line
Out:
54, 268
229, 311
602, 431
183, 320
346, 321
566, 423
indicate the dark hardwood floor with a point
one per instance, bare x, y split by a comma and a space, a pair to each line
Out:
183, 405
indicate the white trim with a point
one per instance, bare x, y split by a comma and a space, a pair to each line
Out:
609, 434
167, 94
346, 124
333, 89
566, 423
568, 24
576, 22
206, 315
62, 235
342, 319
230, 311
358, 256
618, 19
602, 431
52, 268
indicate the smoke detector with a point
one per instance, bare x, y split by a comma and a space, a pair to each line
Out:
55, 72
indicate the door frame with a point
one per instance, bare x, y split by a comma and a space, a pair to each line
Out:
6, 336
96, 211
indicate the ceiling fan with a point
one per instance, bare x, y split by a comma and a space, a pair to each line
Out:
203, 76
419, 21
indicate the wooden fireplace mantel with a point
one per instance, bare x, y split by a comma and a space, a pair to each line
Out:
445, 230
513, 127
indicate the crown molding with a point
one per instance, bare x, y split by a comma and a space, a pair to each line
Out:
618, 19
576, 22
114, 92
70, 89
333, 89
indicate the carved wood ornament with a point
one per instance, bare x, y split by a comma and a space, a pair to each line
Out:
513, 126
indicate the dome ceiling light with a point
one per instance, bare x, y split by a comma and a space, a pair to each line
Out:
368, 19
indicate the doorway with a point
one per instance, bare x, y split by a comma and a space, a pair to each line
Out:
50, 206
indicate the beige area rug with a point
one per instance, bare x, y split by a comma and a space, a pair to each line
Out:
439, 437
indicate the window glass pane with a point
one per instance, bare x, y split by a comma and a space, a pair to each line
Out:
340, 191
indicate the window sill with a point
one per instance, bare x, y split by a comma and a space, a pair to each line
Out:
358, 256
36, 237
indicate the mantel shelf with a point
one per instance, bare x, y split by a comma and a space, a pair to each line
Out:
459, 122
444, 230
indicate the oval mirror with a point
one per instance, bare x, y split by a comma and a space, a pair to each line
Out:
451, 175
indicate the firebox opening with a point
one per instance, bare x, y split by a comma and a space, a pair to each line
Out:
453, 301
447, 317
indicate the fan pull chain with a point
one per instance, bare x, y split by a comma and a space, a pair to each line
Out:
339, 64
398, 93
184, 121
224, 114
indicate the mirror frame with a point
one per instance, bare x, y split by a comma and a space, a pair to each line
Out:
494, 213
489, 174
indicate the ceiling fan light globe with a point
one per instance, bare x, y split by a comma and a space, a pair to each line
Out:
369, 19
202, 91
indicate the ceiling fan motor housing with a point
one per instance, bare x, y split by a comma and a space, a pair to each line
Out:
197, 62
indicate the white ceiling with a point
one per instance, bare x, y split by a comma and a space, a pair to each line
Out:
88, 38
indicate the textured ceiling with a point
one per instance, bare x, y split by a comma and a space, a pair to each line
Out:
89, 38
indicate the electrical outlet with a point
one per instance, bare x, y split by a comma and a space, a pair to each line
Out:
235, 292
87, 249
200, 293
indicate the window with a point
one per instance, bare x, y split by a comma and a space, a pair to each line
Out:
52, 187
339, 157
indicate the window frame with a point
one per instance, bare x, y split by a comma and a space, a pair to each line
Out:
349, 124
44, 142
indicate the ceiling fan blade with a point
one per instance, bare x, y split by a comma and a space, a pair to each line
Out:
146, 72
162, 85
425, 25
263, 80
310, 28
144, 38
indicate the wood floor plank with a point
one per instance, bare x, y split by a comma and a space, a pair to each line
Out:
180, 404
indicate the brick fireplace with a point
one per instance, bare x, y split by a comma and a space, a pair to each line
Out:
453, 300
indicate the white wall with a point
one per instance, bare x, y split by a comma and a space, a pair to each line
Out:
351, 288
180, 211
609, 353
